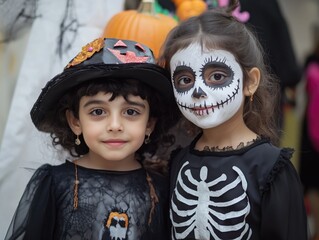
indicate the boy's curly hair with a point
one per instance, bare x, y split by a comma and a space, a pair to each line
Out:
166, 114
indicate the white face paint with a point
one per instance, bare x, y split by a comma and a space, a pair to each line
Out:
208, 86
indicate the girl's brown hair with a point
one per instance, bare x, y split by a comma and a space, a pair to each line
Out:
218, 29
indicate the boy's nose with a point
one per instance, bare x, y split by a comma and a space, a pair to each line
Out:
114, 123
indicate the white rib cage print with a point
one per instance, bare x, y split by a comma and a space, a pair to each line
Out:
204, 217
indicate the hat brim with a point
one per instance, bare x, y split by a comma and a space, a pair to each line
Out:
150, 74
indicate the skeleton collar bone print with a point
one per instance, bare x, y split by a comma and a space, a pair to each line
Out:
207, 85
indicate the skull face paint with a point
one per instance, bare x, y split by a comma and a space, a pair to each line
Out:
208, 86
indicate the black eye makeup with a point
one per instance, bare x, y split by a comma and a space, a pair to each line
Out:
183, 77
216, 73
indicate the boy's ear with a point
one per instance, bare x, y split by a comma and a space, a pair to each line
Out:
151, 125
252, 84
73, 122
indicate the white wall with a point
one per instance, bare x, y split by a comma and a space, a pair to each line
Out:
301, 17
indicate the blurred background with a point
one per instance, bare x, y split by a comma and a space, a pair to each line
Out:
39, 37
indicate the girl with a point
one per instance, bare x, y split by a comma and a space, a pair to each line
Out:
107, 109
232, 181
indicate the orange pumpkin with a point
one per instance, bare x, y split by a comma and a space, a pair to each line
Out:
190, 8
142, 25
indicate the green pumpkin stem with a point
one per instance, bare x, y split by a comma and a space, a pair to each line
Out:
147, 7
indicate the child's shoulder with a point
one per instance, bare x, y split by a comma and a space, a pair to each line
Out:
263, 157
272, 162
51, 167
265, 149
268, 154
283, 163
53, 170
269, 160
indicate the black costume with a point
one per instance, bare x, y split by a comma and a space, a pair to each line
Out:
111, 205
249, 193
309, 156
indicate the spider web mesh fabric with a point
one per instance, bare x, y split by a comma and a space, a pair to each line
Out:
105, 199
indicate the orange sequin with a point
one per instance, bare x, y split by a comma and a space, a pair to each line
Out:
87, 52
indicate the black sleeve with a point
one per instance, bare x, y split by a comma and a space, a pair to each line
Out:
35, 215
283, 211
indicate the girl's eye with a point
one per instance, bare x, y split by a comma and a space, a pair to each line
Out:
184, 80
131, 112
217, 77
97, 112
217, 74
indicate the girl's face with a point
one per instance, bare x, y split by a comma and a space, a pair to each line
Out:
114, 130
208, 86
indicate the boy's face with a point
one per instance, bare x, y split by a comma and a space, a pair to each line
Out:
114, 130
208, 86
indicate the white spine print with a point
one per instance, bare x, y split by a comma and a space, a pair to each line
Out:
197, 217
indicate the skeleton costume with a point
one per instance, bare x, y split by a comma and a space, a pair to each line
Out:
252, 192
248, 193
68, 201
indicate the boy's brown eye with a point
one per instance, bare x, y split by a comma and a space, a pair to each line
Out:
131, 112
97, 112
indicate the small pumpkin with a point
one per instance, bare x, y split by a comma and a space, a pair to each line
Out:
142, 25
190, 8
